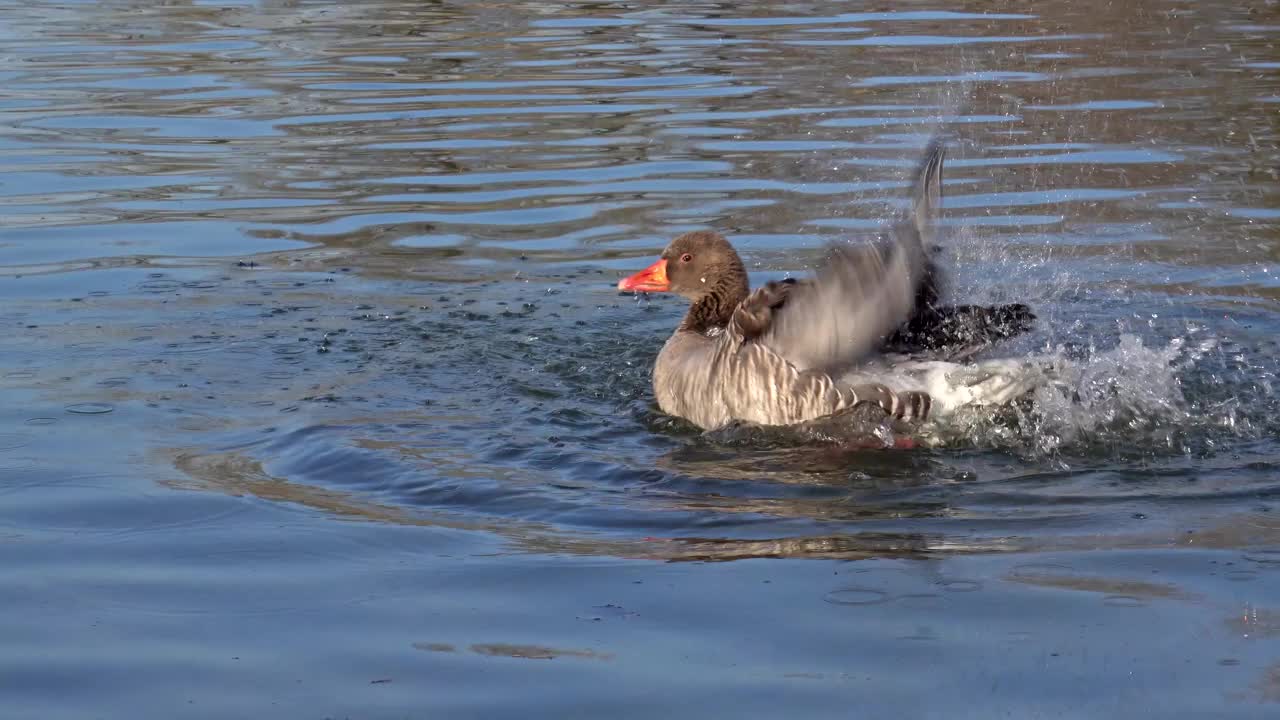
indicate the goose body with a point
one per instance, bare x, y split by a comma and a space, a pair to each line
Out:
715, 377
795, 351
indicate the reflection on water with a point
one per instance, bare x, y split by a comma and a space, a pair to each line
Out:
498, 131
309, 313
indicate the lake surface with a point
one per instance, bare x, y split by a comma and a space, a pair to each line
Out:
317, 399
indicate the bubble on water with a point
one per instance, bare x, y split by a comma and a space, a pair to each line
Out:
89, 408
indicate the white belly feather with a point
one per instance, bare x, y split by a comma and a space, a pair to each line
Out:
953, 386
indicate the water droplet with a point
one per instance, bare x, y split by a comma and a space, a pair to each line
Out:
918, 598
1266, 557
1124, 601
1038, 570
89, 408
856, 596
960, 585
158, 285
13, 441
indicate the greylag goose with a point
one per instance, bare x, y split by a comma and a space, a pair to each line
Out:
776, 356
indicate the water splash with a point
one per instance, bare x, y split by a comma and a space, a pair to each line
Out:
1140, 398
1130, 397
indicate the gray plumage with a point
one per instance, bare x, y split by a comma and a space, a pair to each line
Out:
767, 357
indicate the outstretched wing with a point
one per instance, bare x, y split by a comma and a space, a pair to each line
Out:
862, 292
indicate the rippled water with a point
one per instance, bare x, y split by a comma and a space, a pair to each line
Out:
319, 401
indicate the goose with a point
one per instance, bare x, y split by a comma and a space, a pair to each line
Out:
794, 351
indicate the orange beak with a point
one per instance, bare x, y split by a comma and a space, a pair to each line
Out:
650, 279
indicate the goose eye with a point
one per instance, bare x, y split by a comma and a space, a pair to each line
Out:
686, 257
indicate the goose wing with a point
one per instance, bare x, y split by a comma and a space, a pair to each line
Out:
860, 294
